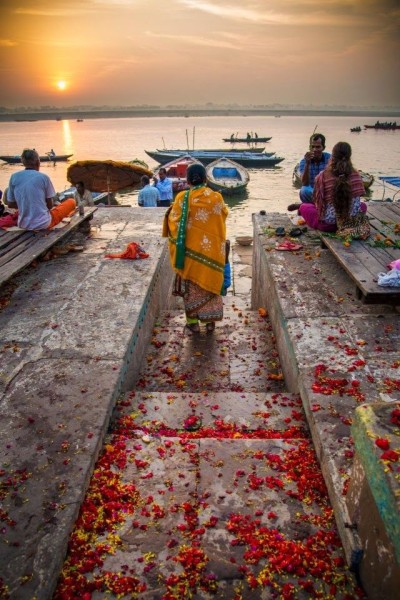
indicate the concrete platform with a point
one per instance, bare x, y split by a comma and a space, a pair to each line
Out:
73, 332
335, 351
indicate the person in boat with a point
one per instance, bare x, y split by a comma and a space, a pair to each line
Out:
337, 192
149, 196
164, 186
313, 163
196, 231
82, 196
32, 193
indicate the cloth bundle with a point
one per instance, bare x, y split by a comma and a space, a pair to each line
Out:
133, 251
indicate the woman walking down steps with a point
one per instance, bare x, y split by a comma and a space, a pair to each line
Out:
208, 484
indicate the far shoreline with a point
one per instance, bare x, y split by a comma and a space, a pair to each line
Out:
61, 115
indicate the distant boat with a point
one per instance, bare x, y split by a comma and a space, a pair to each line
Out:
386, 125
16, 159
247, 139
176, 171
355, 129
247, 159
367, 178
227, 176
79, 120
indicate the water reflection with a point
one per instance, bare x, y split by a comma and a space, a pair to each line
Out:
67, 138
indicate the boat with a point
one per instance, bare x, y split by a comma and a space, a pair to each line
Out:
98, 197
247, 140
386, 125
227, 176
222, 151
106, 175
247, 159
355, 129
367, 178
16, 159
176, 171
391, 185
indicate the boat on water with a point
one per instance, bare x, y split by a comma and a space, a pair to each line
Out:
98, 197
176, 171
223, 151
227, 176
386, 125
367, 178
247, 140
16, 159
355, 129
247, 159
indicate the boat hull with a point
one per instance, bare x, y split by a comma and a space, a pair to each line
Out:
245, 140
16, 160
246, 158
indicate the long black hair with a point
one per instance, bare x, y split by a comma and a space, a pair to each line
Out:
196, 174
341, 168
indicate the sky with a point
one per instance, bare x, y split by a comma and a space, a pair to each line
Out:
194, 52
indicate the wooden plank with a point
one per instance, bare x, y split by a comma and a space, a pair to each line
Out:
11, 249
36, 246
363, 263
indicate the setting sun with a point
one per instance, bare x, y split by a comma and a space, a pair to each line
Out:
61, 85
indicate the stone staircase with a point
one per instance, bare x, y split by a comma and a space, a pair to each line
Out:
208, 485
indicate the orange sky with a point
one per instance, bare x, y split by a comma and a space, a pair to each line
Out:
132, 52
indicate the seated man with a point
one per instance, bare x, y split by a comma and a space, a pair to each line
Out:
32, 193
313, 163
82, 195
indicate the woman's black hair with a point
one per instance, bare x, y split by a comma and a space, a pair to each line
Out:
342, 168
196, 174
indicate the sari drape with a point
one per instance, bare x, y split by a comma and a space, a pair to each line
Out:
205, 236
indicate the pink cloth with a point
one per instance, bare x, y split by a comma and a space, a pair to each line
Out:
9, 221
310, 214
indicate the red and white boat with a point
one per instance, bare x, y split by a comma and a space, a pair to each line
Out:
176, 171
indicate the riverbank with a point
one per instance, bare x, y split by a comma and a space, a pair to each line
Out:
65, 114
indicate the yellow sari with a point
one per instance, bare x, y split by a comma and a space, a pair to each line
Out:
205, 236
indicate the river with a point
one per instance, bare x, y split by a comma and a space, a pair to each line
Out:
374, 151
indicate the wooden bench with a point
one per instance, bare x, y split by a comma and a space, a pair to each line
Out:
364, 260
18, 249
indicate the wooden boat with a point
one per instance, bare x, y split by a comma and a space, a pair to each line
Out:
223, 151
106, 175
247, 159
367, 178
176, 171
98, 197
227, 176
247, 140
16, 159
355, 129
387, 125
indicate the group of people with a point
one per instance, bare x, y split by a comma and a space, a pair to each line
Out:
158, 194
331, 191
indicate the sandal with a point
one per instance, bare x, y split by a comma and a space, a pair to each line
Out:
280, 231
193, 327
296, 232
210, 327
294, 206
290, 246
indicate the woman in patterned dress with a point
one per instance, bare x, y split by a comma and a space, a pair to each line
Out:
195, 227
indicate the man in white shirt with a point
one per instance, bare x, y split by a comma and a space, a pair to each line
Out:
32, 193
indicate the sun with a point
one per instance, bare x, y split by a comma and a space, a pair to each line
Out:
61, 85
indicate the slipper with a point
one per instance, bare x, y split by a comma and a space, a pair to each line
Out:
288, 246
296, 232
280, 231
294, 206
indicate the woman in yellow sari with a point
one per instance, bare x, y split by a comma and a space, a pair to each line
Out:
195, 227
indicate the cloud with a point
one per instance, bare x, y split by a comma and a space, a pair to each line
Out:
51, 11
196, 41
7, 43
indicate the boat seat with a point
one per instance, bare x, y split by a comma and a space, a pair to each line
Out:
226, 173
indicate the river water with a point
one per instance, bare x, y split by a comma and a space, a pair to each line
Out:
377, 152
